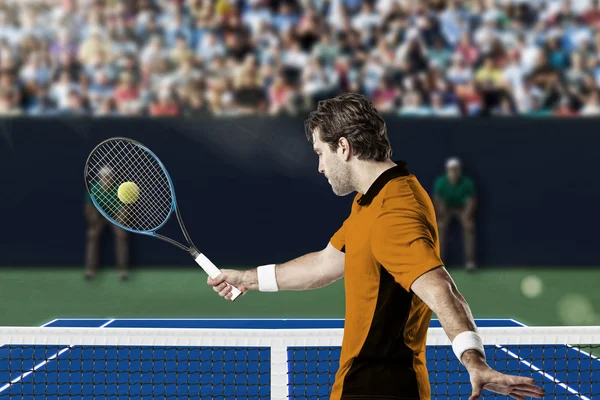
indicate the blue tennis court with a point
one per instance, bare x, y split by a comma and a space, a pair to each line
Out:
239, 371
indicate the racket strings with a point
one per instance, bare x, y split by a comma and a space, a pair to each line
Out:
114, 207
138, 215
148, 182
150, 176
118, 161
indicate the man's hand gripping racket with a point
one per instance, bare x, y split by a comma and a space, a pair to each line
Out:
142, 197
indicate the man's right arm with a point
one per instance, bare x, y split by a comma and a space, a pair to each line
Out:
90, 213
310, 271
438, 202
471, 200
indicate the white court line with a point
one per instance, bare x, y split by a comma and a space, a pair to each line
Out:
545, 374
515, 321
591, 356
40, 365
106, 324
31, 371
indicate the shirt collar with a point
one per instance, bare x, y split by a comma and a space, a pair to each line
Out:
401, 169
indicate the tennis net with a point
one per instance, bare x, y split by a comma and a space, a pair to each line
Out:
141, 363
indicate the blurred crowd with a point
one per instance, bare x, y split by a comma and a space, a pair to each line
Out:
271, 57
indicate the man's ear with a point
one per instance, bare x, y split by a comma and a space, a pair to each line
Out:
345, 148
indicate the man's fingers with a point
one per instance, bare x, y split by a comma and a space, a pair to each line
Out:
216, 281
498, 388
220, 287
519, 380
515, 386
225, 291
529, 389
477, 388
529, 386
221, 284
507, 380
475, 393
527, 393
520, 383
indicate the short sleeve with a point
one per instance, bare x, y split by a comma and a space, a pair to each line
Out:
402, 242
338, 240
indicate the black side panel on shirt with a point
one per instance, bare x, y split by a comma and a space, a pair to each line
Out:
384, 366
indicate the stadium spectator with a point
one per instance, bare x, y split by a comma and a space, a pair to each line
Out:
514, 76
459, 73
591, 16
592, 105
61, 89
164, 105
470, 98
195, 104
492, 57
505, 109
127, 90
413, 105
565, 108
75, 105
41, 103
386, 95
439, 108
466, 49
454, 197
282, 97
8, 103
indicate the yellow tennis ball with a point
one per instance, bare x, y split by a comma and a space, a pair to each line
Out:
128, 192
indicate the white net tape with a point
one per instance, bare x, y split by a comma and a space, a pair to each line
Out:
276, 364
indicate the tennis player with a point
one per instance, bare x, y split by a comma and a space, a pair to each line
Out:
105, 192
388, 252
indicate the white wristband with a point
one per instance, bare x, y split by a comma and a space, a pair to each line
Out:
467, 340
267, 282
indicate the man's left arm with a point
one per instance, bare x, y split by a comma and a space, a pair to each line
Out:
471, 202
437, 289
469, 209
403, 244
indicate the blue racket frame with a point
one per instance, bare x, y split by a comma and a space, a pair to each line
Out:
152, 232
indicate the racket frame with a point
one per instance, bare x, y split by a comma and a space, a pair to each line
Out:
200, 258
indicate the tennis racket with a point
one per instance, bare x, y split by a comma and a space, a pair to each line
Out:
132, 189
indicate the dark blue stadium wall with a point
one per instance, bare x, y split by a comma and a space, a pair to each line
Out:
250, 193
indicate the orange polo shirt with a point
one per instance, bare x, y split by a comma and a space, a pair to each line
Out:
390, 239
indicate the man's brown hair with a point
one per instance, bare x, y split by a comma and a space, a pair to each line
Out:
354, 117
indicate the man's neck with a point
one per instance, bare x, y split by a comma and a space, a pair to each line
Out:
368, 171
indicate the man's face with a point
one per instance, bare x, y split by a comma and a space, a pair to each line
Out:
106, 178
331, 165
454, 173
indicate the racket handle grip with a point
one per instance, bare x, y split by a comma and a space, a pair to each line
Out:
212, 271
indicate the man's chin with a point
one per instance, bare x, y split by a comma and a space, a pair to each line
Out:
340, 193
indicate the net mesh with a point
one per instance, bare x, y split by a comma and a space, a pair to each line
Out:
129, 185
121, 363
